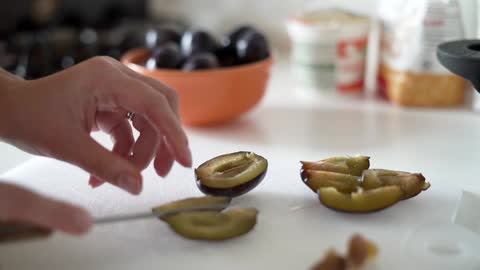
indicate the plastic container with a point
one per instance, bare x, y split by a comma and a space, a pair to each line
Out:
329, 49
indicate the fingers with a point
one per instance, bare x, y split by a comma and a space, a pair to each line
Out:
154, 107
163, 161
21, 205
106, 166
160, 117
121, 133
169, 93
146, 144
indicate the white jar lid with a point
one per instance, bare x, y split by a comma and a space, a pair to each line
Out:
327, 25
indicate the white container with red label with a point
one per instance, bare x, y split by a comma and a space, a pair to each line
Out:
329, 50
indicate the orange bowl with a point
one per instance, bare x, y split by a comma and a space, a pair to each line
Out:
209, 96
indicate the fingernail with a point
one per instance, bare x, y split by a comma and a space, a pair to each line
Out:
95, 182
164, 172
129, 184
82, 221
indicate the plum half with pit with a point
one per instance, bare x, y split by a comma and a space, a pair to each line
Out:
197, 41
167, 56
231, 174
200, 61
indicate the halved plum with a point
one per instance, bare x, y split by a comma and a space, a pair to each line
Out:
214, 226
231, 174
342, 182
360, 201
410, 183
348, 165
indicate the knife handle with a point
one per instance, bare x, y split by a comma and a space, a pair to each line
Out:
16, 231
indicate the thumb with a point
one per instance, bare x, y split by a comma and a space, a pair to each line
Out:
105, 165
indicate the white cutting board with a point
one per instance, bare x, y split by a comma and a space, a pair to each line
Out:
294, 230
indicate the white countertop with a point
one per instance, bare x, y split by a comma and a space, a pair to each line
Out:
287, 127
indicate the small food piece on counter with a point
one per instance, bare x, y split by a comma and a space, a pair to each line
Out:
361, 201
204, 201
212, 225
318, 179
332, 261
348, 165
231, 174
410, 183
359, 252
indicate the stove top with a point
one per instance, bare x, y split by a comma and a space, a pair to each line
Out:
77, 31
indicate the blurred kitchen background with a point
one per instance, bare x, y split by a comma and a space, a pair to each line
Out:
40, 37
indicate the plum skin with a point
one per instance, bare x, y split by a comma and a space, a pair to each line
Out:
234, 191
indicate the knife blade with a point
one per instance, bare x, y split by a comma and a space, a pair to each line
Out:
156, 214
15, 231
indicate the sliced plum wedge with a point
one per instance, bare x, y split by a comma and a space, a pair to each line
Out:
410, 183
360, 201
214, 226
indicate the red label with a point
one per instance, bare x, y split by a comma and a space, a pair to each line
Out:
350, 64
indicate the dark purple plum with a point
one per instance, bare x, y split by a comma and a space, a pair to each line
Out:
161, 35
167, 56
226, 55
233, 36
251, 47
200, 61
231, 174
197, 41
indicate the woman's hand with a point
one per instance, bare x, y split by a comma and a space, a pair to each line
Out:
22, 205
55, 115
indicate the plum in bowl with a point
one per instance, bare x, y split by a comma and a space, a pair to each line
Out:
216, 82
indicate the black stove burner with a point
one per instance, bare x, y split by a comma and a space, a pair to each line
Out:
33, 46
35, 54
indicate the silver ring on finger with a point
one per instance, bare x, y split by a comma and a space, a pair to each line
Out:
130, 116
